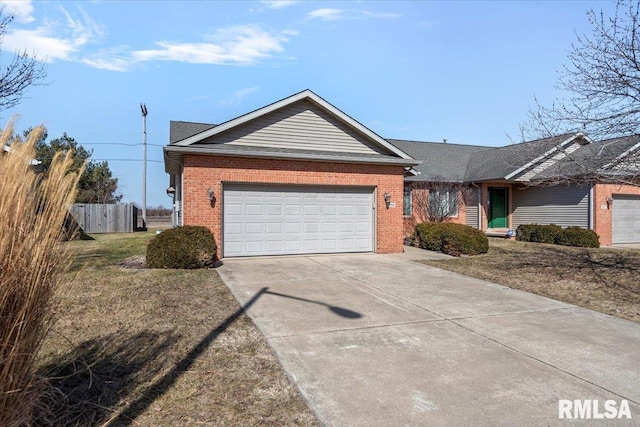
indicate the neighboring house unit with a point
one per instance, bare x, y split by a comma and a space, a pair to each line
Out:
297, 176
32, 162
567, 180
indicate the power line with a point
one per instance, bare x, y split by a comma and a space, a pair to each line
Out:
126, 160
120, 143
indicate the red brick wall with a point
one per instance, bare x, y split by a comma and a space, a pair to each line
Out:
204, 172
602, 217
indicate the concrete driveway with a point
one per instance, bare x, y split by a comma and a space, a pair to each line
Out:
380, 340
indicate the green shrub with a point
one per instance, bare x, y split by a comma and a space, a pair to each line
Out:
182, 247
547, 233
570, 236
576, 236
451, 239
523, 232
428, 235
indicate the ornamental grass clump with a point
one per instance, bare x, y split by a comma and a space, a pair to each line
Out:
33, 208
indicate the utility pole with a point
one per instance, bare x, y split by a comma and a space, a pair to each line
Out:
143, 108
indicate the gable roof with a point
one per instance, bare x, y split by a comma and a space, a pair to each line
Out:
601, 159
304, 95
267, 133
506, 163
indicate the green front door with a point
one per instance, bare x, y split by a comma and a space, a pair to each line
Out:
498, 208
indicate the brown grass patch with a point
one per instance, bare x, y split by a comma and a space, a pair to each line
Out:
159, 347
606, 280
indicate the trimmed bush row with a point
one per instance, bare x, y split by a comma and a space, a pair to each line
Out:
451, 239
184, 247
554, 234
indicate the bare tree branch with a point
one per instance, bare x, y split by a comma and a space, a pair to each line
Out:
23, 70
602, 80
438, 200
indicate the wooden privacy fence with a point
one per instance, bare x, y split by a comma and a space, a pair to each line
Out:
106, 218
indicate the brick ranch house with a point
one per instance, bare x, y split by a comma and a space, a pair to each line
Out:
567, 180
300, 176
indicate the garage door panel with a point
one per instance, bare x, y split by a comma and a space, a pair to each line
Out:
265, 220
292, 210
625, 222
254, 228
273, 228
233, 209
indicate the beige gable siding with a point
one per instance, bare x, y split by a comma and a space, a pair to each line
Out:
551, 161
301, 126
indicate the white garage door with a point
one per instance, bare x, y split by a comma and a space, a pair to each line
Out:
626, 219
269, 220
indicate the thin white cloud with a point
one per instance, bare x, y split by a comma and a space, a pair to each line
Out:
46, 46
114, 59
279, 4
22, 10
238, 45
54, 40
238, 96
68, 39
381, 15
327, 14
330, 14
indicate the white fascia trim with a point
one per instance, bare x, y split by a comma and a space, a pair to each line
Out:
306, 94
625, 154
545, 155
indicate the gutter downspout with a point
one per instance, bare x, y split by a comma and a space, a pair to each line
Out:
178, 217
591, 206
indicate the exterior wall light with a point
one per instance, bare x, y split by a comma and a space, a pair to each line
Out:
387, 198
609, 201
210, 194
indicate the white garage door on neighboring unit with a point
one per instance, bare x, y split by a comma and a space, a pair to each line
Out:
626, 219
284, 220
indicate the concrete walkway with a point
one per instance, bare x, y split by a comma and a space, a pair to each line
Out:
380, 340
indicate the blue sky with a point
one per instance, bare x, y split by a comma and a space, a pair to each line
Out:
465, 71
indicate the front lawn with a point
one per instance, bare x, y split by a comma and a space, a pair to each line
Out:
606, 280
135, 346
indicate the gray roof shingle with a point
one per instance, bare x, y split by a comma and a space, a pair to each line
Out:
466, 163
182, 130
498, 163
440, 160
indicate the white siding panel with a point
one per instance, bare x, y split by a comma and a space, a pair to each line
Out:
562, 205
280, 220
301, 126
625, 224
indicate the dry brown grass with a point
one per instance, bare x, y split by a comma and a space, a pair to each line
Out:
159, 347
32, 211
606, 280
